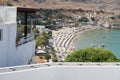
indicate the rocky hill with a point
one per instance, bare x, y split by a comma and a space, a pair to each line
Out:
107, 5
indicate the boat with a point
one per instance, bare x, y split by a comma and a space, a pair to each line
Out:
102, 46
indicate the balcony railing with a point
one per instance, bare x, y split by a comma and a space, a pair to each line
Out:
24, 40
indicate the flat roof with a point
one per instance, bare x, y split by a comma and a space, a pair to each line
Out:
25, 9
73, 64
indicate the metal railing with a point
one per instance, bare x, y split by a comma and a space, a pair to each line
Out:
25, 40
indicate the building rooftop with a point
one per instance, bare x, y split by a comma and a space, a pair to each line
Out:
24, 9
68, 64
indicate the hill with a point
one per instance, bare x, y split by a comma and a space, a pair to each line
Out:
107, 5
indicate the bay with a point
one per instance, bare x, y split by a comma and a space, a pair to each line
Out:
110, 38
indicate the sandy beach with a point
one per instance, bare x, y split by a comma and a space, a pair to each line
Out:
65, 38
72, 43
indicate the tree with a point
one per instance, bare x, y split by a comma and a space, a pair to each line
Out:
48, 57
81, 10
9, 4
91, 55
54, 56
112, 17
50, 34
54, 60
101, 11
45, 38
118, 16
93, 19
84, 19
35, 31
41, 41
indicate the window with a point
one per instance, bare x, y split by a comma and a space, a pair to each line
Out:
0, 34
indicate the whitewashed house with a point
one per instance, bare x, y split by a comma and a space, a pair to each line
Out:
14, 53
41, 28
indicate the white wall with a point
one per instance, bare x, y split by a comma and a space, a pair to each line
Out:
65, 73
10, 55
16, 55
24, 53
88, 73
8, 26
12, 43
4, 46
8, 14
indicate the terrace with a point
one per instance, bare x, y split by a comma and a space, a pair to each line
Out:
45, 65
25, 23
62, 71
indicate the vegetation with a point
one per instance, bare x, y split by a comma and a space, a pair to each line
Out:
9, 4
112, 17
54, 57
92, 55
93, 19
20, 28
36, 32
118, 16
42, 40
44, 22
84, 19
47, 57
16, 0
81, 10
49, 16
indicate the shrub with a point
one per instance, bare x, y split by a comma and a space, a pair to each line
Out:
54, 60
48, 57
84, 19
9, 4
91, 55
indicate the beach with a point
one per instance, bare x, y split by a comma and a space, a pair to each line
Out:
72, 43
65, 38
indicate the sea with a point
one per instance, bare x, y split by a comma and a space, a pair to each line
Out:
108, 37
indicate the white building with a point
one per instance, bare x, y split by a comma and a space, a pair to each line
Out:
41, 28
11, 52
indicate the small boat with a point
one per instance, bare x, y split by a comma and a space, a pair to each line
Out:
102, 46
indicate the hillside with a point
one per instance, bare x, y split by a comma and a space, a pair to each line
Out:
107, 5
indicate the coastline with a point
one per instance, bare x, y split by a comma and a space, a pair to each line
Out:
65, 39
73, 41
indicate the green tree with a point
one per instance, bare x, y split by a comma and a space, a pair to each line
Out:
81, 10
35, 31
42, 40
91, 55
84, 19
38, 41
50, 34
48, 56
9, 4
54, 56
112, 17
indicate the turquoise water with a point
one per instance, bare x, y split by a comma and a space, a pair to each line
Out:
110, 38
